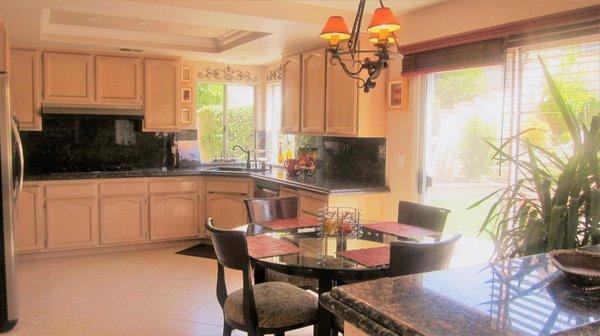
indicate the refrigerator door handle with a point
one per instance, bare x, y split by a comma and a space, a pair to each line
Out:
17, 139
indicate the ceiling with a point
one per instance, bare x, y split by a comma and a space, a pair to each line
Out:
236, 31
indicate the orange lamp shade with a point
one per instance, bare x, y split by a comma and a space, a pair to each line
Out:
374, 38
383, 19
335, 29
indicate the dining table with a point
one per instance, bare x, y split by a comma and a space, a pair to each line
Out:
298, 247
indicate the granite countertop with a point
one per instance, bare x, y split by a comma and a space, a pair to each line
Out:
523, 296
318, 183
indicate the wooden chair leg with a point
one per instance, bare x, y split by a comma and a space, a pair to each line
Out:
227, 329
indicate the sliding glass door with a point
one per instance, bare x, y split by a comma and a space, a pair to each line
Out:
467, 108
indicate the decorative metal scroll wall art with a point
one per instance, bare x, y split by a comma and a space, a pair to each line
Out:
228, 73
274, 74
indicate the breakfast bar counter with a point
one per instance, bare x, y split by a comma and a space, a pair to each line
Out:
522, 296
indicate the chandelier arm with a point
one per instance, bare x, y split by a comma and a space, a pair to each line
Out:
353, 42
351, 73
381, 3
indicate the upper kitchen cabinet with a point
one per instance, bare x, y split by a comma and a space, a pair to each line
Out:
118, 80
4, 56
312, 116
24, 79
331, 102
161, 95
67, 77
291, 71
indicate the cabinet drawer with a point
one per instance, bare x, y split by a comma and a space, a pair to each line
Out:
228, 186
86, 190
173, 186
123, 188
311, 204
284, 192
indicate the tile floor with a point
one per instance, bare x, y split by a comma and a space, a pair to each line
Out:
150, 292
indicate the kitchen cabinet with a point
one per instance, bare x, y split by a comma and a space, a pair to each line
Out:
224, 201
118, 80
4, 53
173, 216
226, 210
331, 102
71, 223
341, 108
123, 219
67, 77
312, 116
24, 80
161, 95
291, 71
29, 220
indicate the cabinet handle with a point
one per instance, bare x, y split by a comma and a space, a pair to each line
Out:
226, 193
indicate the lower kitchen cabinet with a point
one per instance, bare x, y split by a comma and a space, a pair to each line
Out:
71, 223
173, 216
29, 220
226, 210
123, 219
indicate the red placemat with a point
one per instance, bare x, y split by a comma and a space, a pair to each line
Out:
290, 223
370, 257
399, 229
263, 246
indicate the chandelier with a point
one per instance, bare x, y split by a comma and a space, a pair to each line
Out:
382, 27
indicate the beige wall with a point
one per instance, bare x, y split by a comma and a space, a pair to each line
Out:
447, 18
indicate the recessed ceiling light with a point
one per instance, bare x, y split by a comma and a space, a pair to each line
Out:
94, 18
145, 23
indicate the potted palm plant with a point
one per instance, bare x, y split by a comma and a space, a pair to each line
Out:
555, 202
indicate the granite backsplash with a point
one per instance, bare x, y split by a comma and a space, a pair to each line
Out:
359, 159
92, 143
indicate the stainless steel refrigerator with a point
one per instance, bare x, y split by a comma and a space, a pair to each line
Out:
11, 169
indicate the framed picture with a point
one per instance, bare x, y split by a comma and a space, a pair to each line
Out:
186, 95
186, 115
398, 94
186, 74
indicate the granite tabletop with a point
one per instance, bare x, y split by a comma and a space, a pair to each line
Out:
523, 296
317, 183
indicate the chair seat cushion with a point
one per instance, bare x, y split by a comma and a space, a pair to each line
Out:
278, 305
302, 282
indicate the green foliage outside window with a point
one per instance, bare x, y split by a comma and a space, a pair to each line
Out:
474, 153
459, 86
210, 104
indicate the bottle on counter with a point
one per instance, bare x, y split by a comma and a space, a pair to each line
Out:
289, 153
280, 155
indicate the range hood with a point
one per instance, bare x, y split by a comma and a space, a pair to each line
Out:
135, 111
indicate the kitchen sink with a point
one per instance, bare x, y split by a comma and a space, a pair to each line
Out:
236, 169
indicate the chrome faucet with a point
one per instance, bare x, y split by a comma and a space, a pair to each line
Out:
247, 151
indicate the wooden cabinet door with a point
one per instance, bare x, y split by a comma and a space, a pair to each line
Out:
24, 81
118, 80
173, 216
29, 221
161, 95
123, 219
341, 113
67, 77
290, 94
226, 210
71, 223
4, 54
314, 68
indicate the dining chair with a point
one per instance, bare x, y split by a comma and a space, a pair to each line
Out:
409, 257
267, 308
421, 215
267, 209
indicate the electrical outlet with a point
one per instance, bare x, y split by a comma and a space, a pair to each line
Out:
400, 160
381, 152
